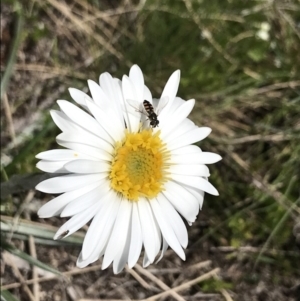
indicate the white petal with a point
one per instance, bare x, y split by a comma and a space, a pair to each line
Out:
193, 136
183, 201
136, 237
137, 78
52, 166
92, 152
188, 149
63, 122
198, 194
183, 128
61, 155
87, 139
210, 158
119, 100
166, 229
99, 97
189, 170
122, 256
113, 92
81, 263
146, 261
67, 183
72, 132
109, 120
171, 87
101, 227
148, 228
161, 105
147, 94
163, 251
87, 166
119, 235
130, 94
196, 182
87, 200
84, 120
173, 219
80, 97
56, 205
76, 222
178, 101
196, 158
170, 122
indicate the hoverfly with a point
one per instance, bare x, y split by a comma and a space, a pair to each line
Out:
151, 114
149, 111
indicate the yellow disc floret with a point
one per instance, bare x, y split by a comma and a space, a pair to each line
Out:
138, 165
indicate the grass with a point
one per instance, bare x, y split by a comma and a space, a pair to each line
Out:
247, 90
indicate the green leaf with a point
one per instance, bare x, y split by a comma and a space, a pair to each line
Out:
9, 248
19, 21
7, 296
42, 232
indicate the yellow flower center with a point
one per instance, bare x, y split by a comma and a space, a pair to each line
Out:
138, 165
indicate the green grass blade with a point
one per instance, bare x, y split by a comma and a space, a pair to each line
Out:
38, 230
13, 51
9, 248
7, 296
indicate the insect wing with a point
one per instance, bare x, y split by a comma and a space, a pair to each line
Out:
137, 106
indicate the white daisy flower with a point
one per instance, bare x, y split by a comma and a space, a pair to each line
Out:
135, 178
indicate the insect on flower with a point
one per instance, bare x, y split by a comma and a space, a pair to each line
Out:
149, 110
151, 114
134, 182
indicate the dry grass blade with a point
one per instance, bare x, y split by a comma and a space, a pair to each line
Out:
65, 9
223, 291
75, 271
8, 115
250, 249
274, 138
36, 287
290, 21
160, 283
138, 278
186, 285
207, 33
54, 71
16, 218
290, 84
267, 188
105, 299
22, 281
